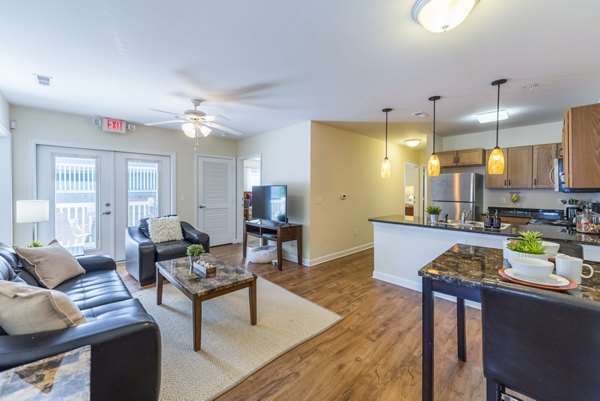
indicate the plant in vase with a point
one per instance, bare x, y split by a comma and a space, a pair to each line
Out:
194, 252
530, 244
434, 212
35, 244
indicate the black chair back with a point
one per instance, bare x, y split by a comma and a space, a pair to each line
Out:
540, 343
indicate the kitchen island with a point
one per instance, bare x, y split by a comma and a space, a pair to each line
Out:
403, 245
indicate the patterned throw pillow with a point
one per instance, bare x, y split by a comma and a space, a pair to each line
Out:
163, 229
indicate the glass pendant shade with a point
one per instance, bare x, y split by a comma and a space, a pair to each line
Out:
433, 165
496, 162
205, 131
188, 129
386, 168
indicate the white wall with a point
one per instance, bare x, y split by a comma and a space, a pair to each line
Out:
36, 124
285, 159
5, 173
520, 136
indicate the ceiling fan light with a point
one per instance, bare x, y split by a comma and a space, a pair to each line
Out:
412, 143
188, 129
442, 15
205, 131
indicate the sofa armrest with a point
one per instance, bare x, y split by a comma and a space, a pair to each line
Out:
94, 263
139, 255
194, 236
123, 347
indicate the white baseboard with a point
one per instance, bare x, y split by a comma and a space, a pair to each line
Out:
336, 255
417, 286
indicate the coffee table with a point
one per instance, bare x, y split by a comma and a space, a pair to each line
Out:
199, 289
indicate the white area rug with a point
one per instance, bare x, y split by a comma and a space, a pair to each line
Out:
232, 349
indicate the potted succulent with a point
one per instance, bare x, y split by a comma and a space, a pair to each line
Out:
194, 252
434, 212
35, 244
528, 245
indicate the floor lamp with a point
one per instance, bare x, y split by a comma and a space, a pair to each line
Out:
33, 211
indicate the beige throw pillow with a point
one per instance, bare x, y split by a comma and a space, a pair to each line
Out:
50, 265
163, 229
25, 309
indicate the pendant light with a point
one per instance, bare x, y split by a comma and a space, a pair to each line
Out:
386, 166
496, 161
433, 165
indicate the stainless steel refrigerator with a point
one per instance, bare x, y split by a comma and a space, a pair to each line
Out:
456, 192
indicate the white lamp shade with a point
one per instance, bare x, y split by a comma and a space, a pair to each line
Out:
32, 211
205, 131
189, 130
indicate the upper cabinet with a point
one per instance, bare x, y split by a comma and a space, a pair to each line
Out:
519, 167
525, 167
543, 165
462, 158
581, 147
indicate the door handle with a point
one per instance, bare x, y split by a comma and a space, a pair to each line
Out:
107, 212
202, 207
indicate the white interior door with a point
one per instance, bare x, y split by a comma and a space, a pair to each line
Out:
80, 187
143, 189
216, 199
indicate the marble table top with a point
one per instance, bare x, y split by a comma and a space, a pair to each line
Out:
64, 377
468, 266
226, 275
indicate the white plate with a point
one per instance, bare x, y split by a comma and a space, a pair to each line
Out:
553, 280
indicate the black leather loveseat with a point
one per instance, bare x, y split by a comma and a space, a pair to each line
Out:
141, 253
125, 340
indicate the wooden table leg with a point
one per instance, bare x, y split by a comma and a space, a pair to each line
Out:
299, 246
427, 317
159, 286
279, 253
244, 244
252, 295
197, 311
460, 329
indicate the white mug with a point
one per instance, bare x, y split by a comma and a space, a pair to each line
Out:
572, 268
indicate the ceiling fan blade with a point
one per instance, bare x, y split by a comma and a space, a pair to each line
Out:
222, 128
167, 112
163, 122
209, 118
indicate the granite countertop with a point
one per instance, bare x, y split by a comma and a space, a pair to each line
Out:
549, 232
64, 377
468, 266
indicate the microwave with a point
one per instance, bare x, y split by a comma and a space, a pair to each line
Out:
558, 177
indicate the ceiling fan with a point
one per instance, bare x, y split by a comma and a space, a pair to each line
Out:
194, 122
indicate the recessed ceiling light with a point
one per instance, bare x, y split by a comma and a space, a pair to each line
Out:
491, 116
419, 114
411, 143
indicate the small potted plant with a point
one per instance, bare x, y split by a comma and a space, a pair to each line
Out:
434, 212
194, 252
529, 245
35, 244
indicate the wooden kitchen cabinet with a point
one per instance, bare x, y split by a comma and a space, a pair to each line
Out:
518, 169
581, 147
543, 165
462, 158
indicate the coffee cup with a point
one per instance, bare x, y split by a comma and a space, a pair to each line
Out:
572, 268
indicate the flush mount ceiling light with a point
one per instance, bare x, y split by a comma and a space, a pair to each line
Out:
442, 15
433, 165
386, 166
496, 160
411, 143
490, 116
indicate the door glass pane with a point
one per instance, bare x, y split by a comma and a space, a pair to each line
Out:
142, 190
75, 202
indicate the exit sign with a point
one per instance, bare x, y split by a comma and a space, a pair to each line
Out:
110, 125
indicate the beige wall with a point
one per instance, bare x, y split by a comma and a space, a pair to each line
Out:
5, 173
285, 159
520, 136
37, 124
345, 162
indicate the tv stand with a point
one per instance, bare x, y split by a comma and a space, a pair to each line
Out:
277, 232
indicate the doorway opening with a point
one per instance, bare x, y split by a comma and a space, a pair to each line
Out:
412, 190
249, 175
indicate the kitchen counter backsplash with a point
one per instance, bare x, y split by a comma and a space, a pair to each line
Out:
549, 232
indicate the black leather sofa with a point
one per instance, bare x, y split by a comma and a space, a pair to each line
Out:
141, 253
125, 340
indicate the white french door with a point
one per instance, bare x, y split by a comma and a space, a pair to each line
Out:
95, 195
79, 185
216, 199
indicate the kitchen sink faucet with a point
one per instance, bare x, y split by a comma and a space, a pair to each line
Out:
463, 215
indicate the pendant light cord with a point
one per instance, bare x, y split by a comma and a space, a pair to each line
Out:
498, 115
386, 132
434, 126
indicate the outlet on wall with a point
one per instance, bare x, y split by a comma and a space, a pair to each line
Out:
502, 200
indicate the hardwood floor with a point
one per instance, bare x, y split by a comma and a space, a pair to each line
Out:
374, 353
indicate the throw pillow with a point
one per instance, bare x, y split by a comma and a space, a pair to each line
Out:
25, 309
163, 229
144, 227
50, 265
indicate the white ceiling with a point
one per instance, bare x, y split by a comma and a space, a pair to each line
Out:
266, 64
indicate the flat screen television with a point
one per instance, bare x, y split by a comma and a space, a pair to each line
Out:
269, 202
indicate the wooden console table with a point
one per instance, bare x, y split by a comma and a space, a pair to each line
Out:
278, 232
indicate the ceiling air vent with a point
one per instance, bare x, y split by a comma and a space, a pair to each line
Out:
419, 114
43, 80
